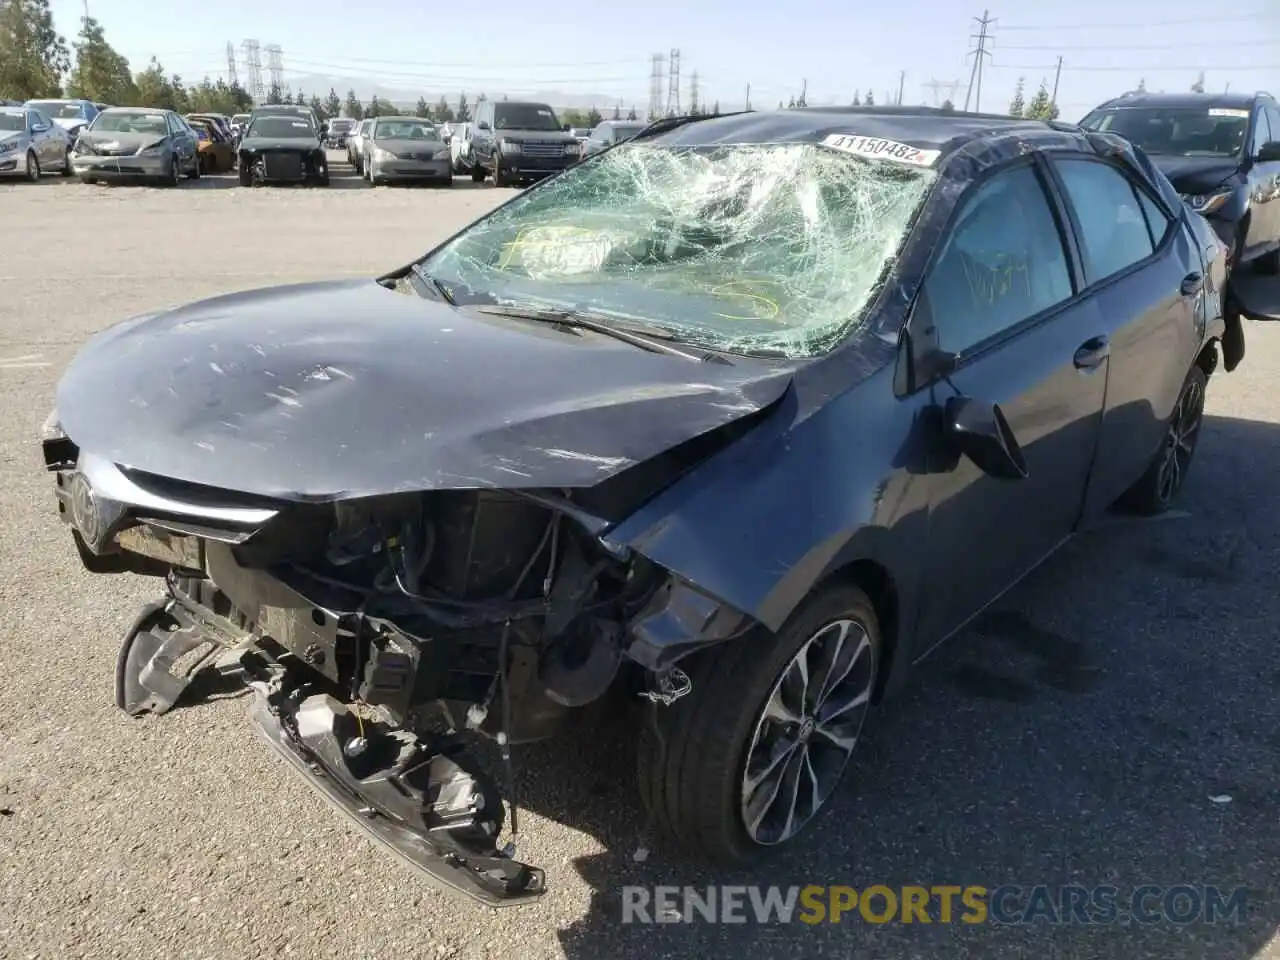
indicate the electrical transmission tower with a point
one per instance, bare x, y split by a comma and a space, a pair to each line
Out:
232, 79
655, 85
937, 86
673, 84
979, 54
275, 66
693, 92
253, 66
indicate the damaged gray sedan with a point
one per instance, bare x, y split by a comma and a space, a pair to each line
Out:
733, 422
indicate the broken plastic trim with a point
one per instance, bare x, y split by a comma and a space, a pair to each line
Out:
753, 248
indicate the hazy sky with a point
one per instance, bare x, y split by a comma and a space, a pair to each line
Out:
579, 46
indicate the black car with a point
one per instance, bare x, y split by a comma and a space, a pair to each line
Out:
515, 142
281, 149
1222, 153
734, 422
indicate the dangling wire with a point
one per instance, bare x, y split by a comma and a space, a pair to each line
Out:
504, 734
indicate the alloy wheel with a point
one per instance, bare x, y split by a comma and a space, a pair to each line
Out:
806, 732
1180, 440
33, 167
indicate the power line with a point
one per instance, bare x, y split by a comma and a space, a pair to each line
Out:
1182, 45
1137, 68
308, 66
1140, 25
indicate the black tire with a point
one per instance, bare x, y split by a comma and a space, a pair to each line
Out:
197, 167
67, 169
86, 180
477, 174
693, 753
246, 176
33, 167
500, 179
173, 175
1156, 490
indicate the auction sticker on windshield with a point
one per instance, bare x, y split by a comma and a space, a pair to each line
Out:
1228, 112
875, 148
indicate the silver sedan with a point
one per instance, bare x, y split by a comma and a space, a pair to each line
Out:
406, 149
31, 144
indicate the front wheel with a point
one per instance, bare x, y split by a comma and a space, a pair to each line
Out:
1156, 489
477, 174
67, 168
751, 755
33, 167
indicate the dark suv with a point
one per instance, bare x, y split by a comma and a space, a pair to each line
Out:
1222, 153
514, 141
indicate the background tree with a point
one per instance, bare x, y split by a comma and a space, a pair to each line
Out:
617, 111
422, 109
1040, 107
482, 98
442, 113
299, 99
275, 93
1198, 86
354, 109
948, 106
463, 113
333, 103
153, 87
178, 98
241, 99
870, 101
33, 55
100, 74
374, 109
593, 118
1018, 105
316, 104
632, 114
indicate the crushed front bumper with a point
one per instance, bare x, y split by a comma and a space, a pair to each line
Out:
120, 167
417, 797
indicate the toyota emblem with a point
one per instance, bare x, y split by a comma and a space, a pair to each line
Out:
84, 509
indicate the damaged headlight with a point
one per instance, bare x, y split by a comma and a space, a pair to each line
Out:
51, 429
8, 146
155, 150
1207, 203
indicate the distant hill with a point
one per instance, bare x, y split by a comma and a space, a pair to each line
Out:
319, 84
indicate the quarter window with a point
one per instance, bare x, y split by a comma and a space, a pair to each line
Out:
1002, 263
1113, 227
1262, 132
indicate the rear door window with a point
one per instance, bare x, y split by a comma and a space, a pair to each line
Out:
1113, 224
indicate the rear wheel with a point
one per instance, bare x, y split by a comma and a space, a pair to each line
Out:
197, 167
500, 179
752, 754
246, 176
172, 175
1157, 489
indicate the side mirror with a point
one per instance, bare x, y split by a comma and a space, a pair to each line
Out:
483, 125
566, 128
982, 434
1270, 152
39, 128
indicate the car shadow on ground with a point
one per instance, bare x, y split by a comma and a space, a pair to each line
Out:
1114, 720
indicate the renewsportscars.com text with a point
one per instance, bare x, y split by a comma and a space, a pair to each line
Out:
943, 903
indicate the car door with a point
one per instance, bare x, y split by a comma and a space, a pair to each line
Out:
40, 130
1000, 297
1266, 194
1143, 267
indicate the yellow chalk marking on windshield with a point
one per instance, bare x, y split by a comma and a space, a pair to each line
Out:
728, 291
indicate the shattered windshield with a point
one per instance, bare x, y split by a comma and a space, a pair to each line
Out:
755, 248
1176, 131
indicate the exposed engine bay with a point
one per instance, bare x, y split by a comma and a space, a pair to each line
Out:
383, 636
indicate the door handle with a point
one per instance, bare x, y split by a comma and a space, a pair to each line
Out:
1192, 284
1092, 353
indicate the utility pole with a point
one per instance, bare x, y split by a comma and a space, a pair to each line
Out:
748, 105
982, 36
1057, 75
804, 90
902, 79
693, 92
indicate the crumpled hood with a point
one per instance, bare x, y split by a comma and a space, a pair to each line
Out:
70, 124
280, 143
123, 143
1195, 175
344, 389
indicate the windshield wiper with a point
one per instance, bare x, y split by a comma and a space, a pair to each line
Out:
435, 283
653, 339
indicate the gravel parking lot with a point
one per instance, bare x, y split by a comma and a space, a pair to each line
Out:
1074, 736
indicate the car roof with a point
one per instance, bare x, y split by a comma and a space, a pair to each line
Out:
137, 110
1142, 99
405, 117
927, 128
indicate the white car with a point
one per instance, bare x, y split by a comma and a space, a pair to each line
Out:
460, 147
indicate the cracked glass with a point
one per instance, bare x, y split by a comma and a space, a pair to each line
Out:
775, 249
